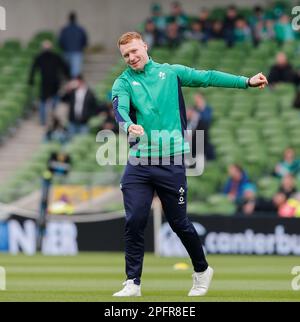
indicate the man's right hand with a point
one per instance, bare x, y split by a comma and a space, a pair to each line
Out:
136, 130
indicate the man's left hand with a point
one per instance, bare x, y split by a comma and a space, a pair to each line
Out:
258, 80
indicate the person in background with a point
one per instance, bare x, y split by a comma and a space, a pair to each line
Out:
282, 71
236, 182
73, 40
196, 32
256, 23
283, 30
158, 18
82, 105
286, 192
288, 186
229, 25
51, 68
262, 31
242, 32
289, 165
173, 35
217, 31
204, 114
59, 163
206, 24
57, 132
178, 16
250, 204
152, 35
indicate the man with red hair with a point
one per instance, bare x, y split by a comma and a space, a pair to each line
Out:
147, 98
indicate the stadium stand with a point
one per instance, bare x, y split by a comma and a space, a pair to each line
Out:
251, 128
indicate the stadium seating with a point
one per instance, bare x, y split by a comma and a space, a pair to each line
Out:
250, 127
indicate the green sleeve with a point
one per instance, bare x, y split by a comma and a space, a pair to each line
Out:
191, 77
121, 104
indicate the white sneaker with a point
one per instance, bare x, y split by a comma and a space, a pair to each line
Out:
130, 289
201, 282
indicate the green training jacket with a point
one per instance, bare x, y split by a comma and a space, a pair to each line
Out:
153, 99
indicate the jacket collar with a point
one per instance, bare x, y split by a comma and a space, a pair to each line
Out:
146, 67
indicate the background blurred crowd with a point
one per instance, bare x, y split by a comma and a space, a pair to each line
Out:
172, 29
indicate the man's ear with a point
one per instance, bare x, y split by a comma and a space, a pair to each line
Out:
146, 46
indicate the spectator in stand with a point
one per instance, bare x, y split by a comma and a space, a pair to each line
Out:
57, 132
59, 163
263, 30
173, 35
178, 16
256, 22
250, 204
246, 206
217, 31
242, 32
288, 186
229, 25
82, 105
269, 32
291, 208
73, 40
285, 195
289, 164
202, 121
279, 200
158, 18
282, 71
51, 68
206, 24
196, 32
283, 30
151, 35
236, 182
258, 16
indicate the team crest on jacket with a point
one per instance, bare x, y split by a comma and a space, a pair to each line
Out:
134, 83
162, 75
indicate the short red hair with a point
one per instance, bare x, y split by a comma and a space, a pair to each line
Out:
128, 37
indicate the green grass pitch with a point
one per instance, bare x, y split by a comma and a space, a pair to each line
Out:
95, 276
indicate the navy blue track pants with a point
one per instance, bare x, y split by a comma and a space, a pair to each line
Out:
138, 184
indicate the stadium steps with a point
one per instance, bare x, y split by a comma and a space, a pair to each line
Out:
97, 66
19, 148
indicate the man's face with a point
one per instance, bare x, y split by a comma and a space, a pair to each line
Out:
135, 54
281, 59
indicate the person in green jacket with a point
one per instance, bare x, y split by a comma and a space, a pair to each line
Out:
149, 105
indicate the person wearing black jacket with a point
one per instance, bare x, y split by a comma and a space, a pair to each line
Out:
73, 39
282, 71
229, 25
82, 105
51, 67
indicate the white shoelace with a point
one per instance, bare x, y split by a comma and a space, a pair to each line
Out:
197, 278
